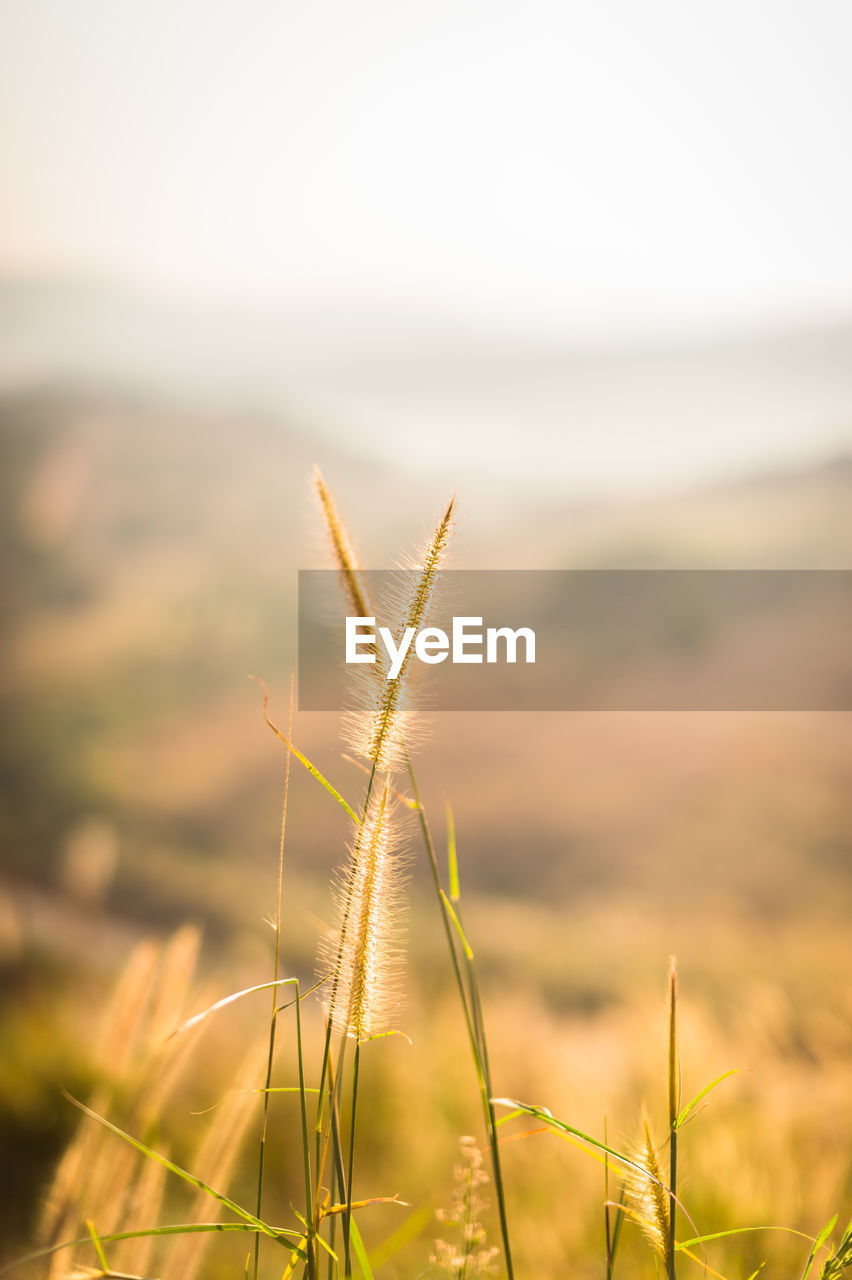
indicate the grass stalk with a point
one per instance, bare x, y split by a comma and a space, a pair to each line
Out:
306, 1150
472, 1008
347, 1220
276, 963
607, 1224
326, 1070
674, 1090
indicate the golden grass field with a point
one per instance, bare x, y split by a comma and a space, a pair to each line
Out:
143, 797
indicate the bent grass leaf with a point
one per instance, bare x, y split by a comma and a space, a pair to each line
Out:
96, 1241
226, 1202
693, 1103
560, 1126
452, 856
115, 1237
739, 1231
361, 1204
448, 907
817, 1245
302, 758
238, 995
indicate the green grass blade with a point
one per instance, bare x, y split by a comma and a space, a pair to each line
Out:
190, 1178
693, 1103
452, 856
90, 1227
114, 1237
619, 1221
448, 907
739, 1231
841, 1257
276, 971
303, 759
561, 1126
238, 995
817, 1245
360, 1252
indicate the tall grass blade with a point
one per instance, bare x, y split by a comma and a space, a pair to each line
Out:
817, 1245
739, 1231
90, 1226
270, 1057
190, 1178
452, 856
302, 758
114, 1237
562, 1126
472, 1017
238, 995
448, 907
674, 1094
360, 1252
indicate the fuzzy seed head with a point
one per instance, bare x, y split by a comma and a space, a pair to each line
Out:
384, 721
344, 554
363, 955
647, 1195
466, 1254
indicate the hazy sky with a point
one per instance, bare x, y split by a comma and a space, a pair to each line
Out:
517, 163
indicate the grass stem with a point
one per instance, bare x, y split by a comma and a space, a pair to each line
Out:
276, 963
674, 1090
472, 1008
347, 1221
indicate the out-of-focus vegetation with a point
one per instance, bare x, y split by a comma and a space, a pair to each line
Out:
149, 555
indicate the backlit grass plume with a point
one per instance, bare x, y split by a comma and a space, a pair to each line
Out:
382, 722
363, 955
648, 1197
381, 726
344, 554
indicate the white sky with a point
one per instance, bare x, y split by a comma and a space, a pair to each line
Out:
531, 162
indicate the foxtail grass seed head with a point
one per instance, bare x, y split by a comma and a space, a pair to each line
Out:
384, 722
363, 955
647, 1197
344, 554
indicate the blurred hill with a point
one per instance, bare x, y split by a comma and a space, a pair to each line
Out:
150, 553
156, 506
